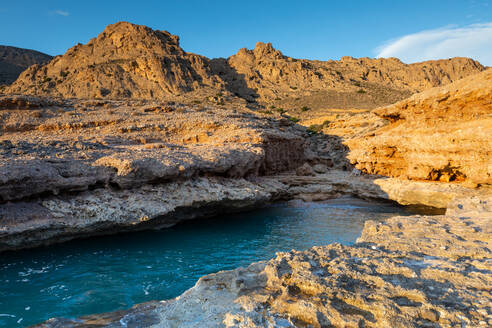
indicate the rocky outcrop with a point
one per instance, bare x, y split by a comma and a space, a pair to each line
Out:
71, 168
442, 134
101, 211
124, 61
15, 60
419, 271
128, 61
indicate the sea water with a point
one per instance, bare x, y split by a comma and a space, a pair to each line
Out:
115, 272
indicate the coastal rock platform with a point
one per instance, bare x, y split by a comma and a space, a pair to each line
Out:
398, 274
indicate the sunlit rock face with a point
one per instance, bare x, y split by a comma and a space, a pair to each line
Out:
442, 134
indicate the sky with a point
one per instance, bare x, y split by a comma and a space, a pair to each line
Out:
410, 30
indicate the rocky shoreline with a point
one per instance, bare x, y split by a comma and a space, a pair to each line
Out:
130, 132
418, 271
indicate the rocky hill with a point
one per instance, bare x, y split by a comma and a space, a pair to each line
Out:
350, 82
124, 61
15, 60
133, 61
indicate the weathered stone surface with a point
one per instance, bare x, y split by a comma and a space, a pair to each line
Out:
103, 211
405, 192
82, 146
442, 134
421, 271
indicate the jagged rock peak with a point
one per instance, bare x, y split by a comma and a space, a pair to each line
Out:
266, 49
260, 51
127, 39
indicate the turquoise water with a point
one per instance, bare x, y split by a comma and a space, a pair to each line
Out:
115, 272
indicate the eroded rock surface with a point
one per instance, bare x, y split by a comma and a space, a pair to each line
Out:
72, 168
442, 134
419, 271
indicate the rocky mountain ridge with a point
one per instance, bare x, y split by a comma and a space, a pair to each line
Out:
128, 61
13, 61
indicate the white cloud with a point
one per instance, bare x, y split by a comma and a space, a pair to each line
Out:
474, 41
62, 13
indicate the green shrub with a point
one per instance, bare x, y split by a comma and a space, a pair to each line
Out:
315, 128
64, 73
305, 108
318, 128
294, 119
361, 91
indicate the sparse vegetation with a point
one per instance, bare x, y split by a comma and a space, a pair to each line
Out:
46, 79
305, 108
197, 102
268, 112
318, 128
280, 110
64, 73
294, 119
361, 91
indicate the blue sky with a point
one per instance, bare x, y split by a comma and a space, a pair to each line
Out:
411, 30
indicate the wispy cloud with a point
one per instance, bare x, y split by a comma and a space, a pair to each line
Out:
62, 13
473, 41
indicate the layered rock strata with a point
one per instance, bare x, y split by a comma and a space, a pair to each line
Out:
72, 168
442, 134
419, 271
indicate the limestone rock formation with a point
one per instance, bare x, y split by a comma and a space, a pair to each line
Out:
419, 271
15, 60
56, 155
442, 134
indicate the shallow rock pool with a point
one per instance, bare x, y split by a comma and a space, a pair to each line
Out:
115, 272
